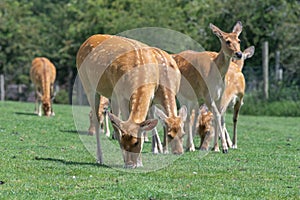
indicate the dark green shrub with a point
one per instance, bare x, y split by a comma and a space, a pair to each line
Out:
255, 106
61, 97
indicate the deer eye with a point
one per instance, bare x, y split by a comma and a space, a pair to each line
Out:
228, 42
136, 143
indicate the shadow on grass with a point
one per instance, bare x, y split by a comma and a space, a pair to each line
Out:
25, 113
70, 162
75, 132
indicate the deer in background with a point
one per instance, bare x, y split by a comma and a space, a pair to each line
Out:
234, 93
43, 74
206, 75
127, 72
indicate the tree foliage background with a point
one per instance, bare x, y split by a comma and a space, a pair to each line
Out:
56, 29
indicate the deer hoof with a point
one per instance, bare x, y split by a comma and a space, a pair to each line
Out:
203, 149
99, 162
216, 149
91, 133
166, 152
191, 149
225, 150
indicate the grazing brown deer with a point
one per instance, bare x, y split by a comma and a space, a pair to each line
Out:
127, 72
43, 74
206, 75
205, 128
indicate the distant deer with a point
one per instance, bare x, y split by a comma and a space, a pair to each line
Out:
206, 76
43, 74
127, 72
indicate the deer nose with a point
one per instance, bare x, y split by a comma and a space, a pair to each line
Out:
239, 54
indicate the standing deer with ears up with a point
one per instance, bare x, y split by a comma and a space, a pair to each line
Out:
206, 75
43, 74
127, 72
234, 93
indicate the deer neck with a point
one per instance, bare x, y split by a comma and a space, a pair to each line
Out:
45, 80
222, 61
139, 103
169, 103
239, 63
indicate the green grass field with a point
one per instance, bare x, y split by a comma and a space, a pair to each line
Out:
45, 158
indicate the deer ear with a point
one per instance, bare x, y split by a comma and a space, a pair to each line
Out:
249, 52
183, 113
160, 114
114, 120
216, 30
149, 124
238, 28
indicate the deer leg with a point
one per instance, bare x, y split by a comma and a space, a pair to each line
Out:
146, 139
52, 95
165, 146
36, 103
189, 143
101, 118
227, 137
107, 130
99, 150
195, 123
237, 107
39, 107
52, 112
156, 143
93, 121
115, 109
218, 129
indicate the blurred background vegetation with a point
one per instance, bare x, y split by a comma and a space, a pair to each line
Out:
56, 29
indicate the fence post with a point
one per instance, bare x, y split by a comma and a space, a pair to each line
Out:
2, 88
265, 65
278, 71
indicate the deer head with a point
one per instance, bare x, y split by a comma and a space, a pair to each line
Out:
229, 41
130, 138
174, 128
46, 105
247, 53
